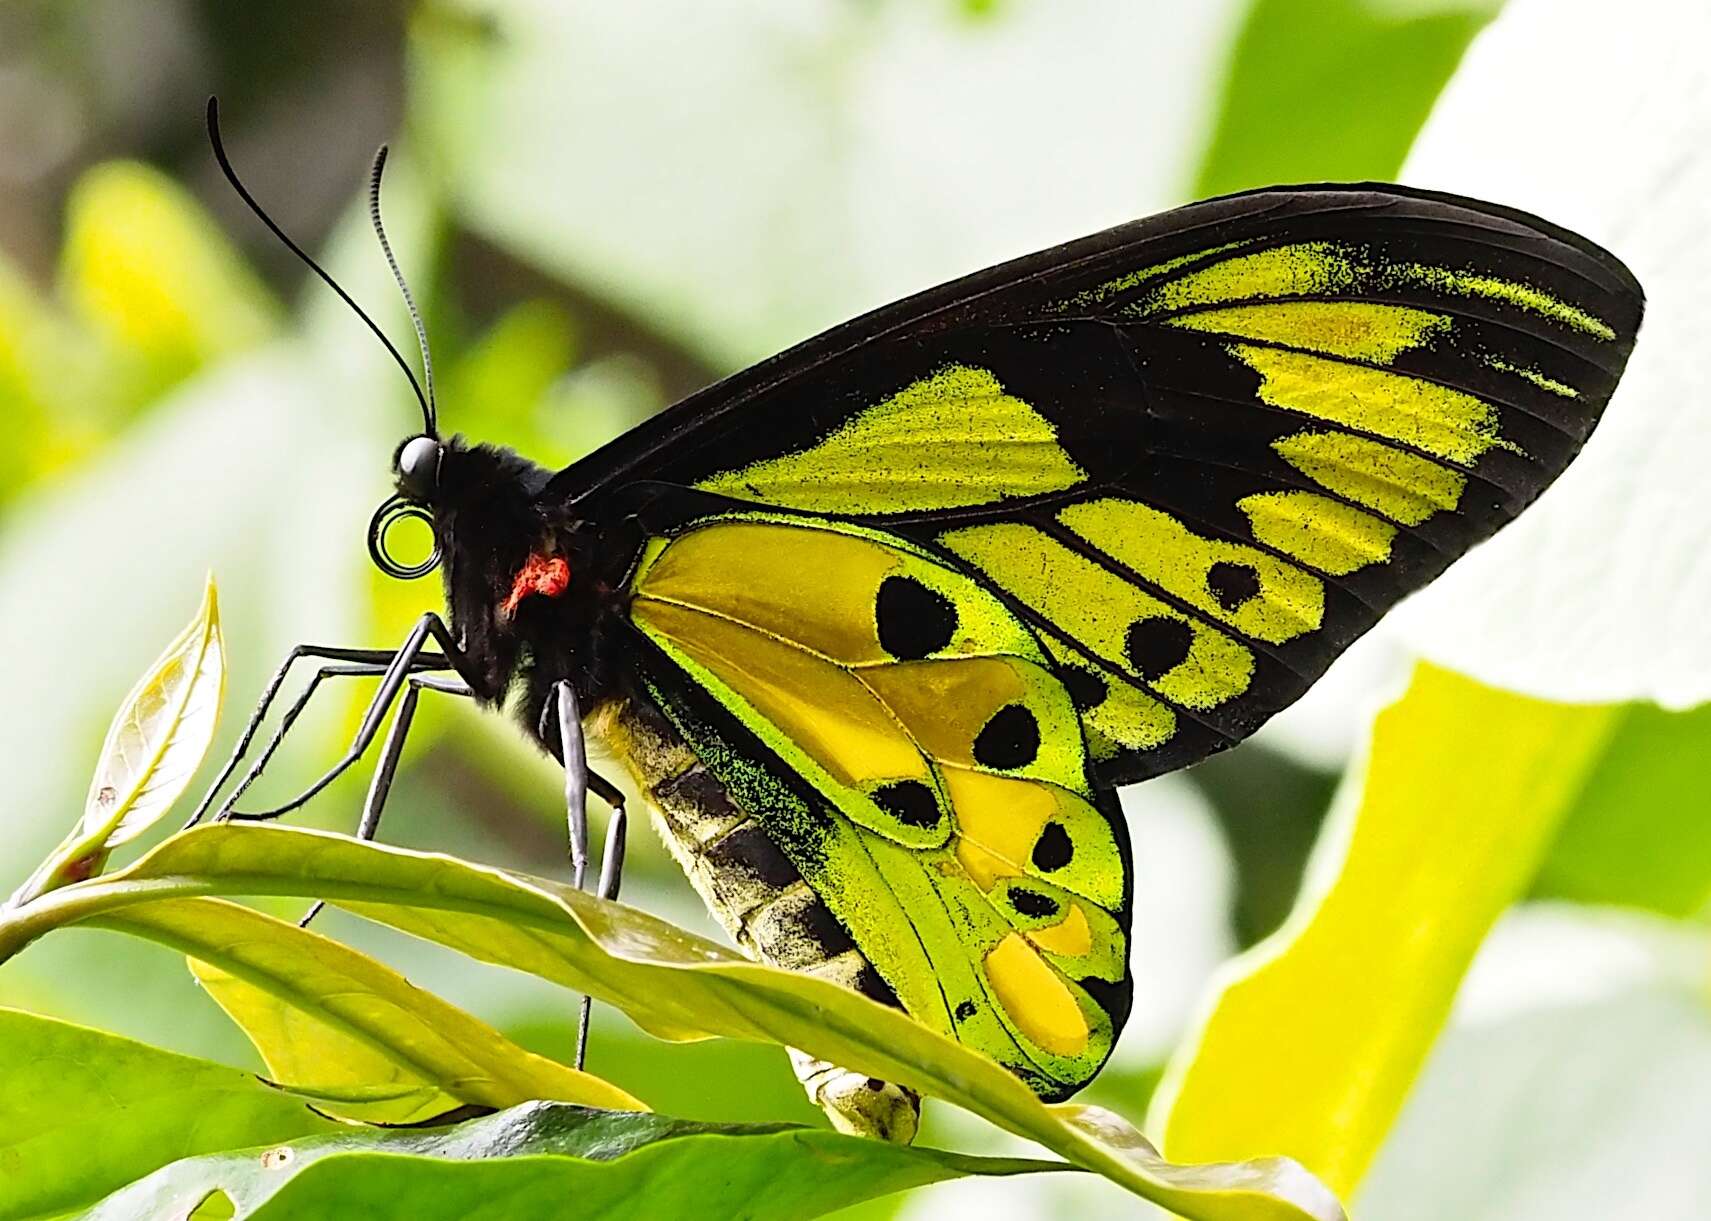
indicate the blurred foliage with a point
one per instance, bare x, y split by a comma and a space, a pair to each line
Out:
1639, 834
1270, 807
1514, 1105
603, 208
1332, 90
1321, 1030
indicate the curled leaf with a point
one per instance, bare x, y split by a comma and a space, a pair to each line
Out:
1315, 1036
157, 740
161, 733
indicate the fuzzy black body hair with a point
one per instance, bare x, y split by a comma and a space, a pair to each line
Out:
492, 510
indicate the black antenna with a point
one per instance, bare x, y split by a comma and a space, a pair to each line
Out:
294, 248
409, 302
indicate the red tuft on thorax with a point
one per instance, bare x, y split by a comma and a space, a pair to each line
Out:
548, 575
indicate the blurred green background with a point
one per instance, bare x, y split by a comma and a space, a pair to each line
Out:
603, 207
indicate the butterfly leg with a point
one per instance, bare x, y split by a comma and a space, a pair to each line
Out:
352, 670
578, 781
363, 661
611, 876
409, 658
391, 751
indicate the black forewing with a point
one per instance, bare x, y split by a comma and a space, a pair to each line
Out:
1168, 416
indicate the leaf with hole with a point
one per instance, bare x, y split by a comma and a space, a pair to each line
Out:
83, 1113
156, 742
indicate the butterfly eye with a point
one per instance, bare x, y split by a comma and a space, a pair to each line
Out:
419, 468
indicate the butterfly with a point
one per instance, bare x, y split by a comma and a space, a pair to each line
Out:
879, 625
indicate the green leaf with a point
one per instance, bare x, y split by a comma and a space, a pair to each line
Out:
671, 982
161, 734
1326, 90
537, 1160
325, 1017
82, 1113
155, 744
1639, 834
1317, 1033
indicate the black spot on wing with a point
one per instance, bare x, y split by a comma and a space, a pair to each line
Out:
1011, 739
1053, 850
913, 621
1232, 585
910, 802
1086, 689
1156, 645
1032, 902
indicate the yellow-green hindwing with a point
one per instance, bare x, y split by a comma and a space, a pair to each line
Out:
901, 706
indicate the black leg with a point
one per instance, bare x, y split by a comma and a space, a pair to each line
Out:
352, 670
391, 751
408, 658
364, 657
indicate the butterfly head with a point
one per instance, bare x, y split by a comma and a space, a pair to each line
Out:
417, 468
501, 557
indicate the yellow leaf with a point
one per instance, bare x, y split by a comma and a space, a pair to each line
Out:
332, 1021
156, 742
146, 268
161, 733
1316, 1034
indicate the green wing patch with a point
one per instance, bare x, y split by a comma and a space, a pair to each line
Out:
951, 438
960, 839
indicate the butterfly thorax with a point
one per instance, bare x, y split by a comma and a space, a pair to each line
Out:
526, 582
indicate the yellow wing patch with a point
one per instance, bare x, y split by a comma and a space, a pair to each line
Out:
1448, 423
1186, 661
1044, 1009
1330, 269
931, 719
954, 438
1323, 533
1402, 486
1243, 586
1196, 472
1358, 329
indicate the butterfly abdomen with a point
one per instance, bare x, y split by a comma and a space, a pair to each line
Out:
758, 895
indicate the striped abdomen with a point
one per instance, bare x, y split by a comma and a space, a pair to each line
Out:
752, 889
